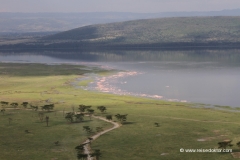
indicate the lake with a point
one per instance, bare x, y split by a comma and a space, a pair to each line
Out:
206, 76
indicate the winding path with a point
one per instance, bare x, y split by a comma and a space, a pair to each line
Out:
87, 146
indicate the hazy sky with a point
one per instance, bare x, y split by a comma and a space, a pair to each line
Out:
116, 5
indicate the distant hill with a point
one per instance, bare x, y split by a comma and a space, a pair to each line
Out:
48, 22
160, 33
188, 29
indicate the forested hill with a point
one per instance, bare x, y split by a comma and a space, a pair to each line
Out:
179, 32
189, 29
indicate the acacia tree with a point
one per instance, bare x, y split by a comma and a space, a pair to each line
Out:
3, 103
25, 104
96, 154
102, 108
3, 111
99, 129
109, 117
48, 107
69, 116
14, 105
80, 154
82, 107
156, 124
35, 108
90, 113
121, 118
225, 144
79, 117
238, 144
79, 148
87, 129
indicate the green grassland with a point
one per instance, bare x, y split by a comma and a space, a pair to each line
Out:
181, 125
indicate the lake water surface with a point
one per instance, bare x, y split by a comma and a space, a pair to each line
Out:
209, 77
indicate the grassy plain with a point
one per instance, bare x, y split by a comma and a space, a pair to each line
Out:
182, 125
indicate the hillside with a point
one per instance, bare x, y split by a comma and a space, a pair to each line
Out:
188, 29
161, 33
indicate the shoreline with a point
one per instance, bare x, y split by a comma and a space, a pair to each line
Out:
101, 88
101, 84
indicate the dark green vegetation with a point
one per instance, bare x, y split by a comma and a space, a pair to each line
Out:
180, 125
188, 29
161, 33
26, 70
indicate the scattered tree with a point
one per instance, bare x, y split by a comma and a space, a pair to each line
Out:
3, 111
48, 107
87, 129
238, 144
69, 116
14, 105
102, 108
25, 104
96, 154
80, 154
90, 113
121, 118
156, 124
3, 103
225, 144
79, 117
79, 148
109, 117
82, 108
35, 108
99, 129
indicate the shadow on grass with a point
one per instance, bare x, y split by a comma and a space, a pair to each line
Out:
235, 150
127, 123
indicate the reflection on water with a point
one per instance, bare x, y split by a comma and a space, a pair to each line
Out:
225, 56
210, 77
